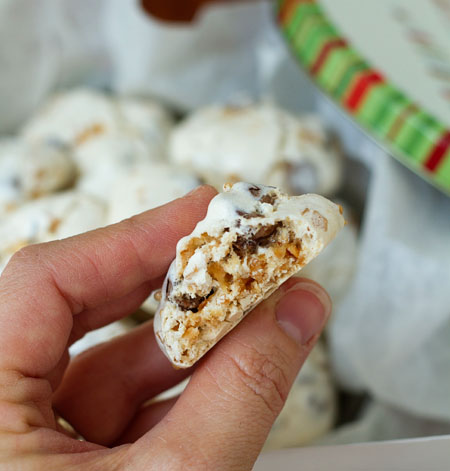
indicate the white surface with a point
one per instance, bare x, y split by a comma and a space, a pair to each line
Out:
432, 454
389, 335
378, 422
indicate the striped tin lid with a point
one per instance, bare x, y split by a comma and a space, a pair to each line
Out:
380, 98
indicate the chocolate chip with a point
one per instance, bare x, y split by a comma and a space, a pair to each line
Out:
191, 303
186, 303
245, 215
264, 236
169, 288
255, 190
266, 231
244, 246
268, 198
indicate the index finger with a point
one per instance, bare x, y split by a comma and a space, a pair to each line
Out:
45, 285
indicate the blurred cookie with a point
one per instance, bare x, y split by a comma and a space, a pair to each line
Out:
80, 115
52, 217
101, 161
310, 408
148, 120
104, 334
145, 187
11, 195
73, 118
45, 167
311, 161
259, 143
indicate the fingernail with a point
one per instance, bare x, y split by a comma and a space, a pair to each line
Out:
302, 311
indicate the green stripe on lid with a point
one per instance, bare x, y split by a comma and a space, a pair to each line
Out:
302, 12
329, 75
316, 41
443, 173
393, 106
418, 144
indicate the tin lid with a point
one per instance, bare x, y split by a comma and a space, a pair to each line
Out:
387, 63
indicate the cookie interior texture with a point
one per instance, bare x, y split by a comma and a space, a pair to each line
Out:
219, 275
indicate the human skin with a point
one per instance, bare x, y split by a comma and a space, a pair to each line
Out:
51, 294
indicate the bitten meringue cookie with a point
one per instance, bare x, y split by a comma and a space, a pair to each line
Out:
252, 239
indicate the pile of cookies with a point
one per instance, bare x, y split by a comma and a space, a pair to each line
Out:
88, 159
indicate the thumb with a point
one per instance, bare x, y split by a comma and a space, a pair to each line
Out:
223, 417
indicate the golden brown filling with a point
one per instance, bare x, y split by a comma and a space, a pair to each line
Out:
283, 246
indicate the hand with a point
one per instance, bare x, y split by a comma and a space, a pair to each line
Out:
52, 294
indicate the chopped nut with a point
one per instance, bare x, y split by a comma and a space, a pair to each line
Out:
191, 303
244, 246
217, 272
319, 221
266, 234
54, 225
227, 186
269, 199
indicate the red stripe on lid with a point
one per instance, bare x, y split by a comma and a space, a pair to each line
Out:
324, 53
367, 80
438, 152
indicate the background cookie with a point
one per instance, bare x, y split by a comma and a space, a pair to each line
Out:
45, 167
11, 195
145, 187
258, 143
310, 409
49, 218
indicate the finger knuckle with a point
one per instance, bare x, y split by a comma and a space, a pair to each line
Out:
26, 256
264, 375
